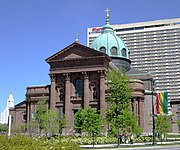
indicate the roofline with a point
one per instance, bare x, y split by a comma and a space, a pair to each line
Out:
21, 103
123, 58
162, 21
159, 21
71, 45
39, 86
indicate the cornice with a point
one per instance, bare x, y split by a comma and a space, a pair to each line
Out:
80, 59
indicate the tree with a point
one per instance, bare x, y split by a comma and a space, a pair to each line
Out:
163, 125
3, 127
120, 90
22, 127
62, 123
129, 122
39, 114
51, 122
92, 122
33, 127
79, 120
87, 120
119, 111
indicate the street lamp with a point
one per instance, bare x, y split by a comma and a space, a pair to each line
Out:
118, 135
152, 92
118, 126
153, 115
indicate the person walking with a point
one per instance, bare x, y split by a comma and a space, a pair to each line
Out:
120, 138
126, 138
131, 138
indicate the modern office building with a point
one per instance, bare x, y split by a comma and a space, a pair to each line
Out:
154, 47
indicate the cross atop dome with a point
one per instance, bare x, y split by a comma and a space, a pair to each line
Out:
107, 13
77, 38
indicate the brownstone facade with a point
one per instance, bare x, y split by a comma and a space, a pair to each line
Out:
77, 76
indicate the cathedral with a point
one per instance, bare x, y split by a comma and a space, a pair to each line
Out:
77, 75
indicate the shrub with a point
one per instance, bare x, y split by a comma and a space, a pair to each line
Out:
18, 142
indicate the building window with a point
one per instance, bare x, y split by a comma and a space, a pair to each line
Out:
114, 51
178, 120
123, 52
102, 49
178, 109
78, 87
24, 118
178, 116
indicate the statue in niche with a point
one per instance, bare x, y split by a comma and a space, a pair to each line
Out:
61, 95
95, 93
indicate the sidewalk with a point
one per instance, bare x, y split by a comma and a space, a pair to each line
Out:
129, 146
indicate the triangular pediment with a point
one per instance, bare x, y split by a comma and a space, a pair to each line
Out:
72, 55
74, 51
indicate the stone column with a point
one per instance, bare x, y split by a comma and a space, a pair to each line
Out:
138, 110
53, 91
86, 90
28, 111
103, 104
141, 112
27, 115
30, 118
68, 110
134, 105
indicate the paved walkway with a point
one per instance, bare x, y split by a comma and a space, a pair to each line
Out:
129, 146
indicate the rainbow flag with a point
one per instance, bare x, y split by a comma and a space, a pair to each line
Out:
162, 103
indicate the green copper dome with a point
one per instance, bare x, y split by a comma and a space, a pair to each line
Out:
108, 42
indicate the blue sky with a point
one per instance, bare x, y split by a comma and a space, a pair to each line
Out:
33, 30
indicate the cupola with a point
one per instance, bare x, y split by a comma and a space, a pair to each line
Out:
108, 42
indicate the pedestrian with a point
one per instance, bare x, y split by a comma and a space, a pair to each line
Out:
126, 138
131, 138
120, 138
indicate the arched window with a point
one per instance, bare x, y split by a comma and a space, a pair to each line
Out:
114, 51
78, 87
123, 52
102, 49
